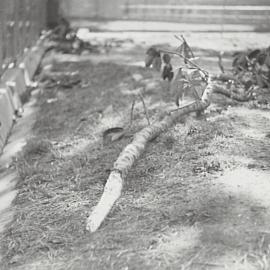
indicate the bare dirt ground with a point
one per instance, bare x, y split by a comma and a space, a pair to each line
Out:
199, 198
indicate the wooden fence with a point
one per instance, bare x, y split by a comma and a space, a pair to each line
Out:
20, 24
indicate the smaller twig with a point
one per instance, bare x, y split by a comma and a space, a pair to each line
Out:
187, 45
184, 48
216, 265
183, 39
179, 38
193, 88
220, 62
134, 92
186, 59
131, 112
238, 97
191, 261
265, 80
182, 107
145, 109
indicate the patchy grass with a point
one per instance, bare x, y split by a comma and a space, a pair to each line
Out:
173, 214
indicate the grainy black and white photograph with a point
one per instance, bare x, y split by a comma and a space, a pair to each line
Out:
134, 135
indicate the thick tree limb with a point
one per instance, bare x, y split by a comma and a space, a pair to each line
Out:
224, 77
132, 152
127, 158
238, 97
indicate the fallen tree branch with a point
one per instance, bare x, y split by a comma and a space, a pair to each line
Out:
126, 159
114, 185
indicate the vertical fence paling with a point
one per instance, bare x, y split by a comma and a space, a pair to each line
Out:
21, 22
1, 35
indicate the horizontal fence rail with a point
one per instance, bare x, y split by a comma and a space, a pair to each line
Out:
230, 14
246, 12
21, 22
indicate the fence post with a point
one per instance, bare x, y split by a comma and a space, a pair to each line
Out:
2, 21
52, 9
15, 33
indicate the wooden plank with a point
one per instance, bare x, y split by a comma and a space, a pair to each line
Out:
6, 116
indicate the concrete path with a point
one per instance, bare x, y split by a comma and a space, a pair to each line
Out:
153, 26
218, 40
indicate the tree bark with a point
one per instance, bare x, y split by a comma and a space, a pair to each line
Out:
238, 97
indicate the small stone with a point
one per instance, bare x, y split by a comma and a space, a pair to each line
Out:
251, 166
137, 77
14, 259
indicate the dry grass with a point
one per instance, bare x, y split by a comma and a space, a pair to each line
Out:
56, 191
171, 216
